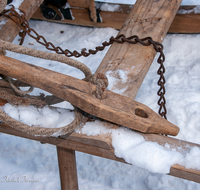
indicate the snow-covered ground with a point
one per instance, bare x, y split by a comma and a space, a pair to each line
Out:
26, 164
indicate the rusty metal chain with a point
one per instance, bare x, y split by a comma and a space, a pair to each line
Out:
21, 21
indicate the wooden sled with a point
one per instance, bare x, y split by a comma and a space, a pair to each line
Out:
136, 24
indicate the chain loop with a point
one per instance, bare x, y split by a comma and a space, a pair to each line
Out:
21, 21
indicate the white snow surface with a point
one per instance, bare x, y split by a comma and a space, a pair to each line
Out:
15, 3
111, 8
194, 10
39, 117
27, 164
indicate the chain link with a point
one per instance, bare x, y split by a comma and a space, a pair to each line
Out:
21, 21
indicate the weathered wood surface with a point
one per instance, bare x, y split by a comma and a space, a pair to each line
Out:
147, 18
67, 168
91, 148
114, 108
92, 145
79, 3
186, 23
182, 23
8, 29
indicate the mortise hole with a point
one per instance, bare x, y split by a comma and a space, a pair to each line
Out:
141, 113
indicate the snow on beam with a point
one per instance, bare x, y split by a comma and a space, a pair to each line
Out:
147, 18
97, 146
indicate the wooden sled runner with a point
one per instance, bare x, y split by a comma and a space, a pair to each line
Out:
123, 56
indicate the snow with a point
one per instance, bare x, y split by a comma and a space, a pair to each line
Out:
114, 77
15, 3
27, 164
194, 10
39, 117
111, 8
134, 149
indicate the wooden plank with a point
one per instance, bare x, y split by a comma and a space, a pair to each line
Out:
181, 172
182, 23
67, 168
8, 29
186, 23
114, 107
176, 170
147, 18
79, 3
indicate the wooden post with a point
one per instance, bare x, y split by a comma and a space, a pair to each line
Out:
67, 168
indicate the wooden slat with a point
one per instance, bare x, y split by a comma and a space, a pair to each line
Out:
176, 170
79, 3
147, 18
8, 29
186, 23
182, 23
67, 168
126, 112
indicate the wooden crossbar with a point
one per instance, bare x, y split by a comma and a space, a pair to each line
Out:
101, 146
182, 23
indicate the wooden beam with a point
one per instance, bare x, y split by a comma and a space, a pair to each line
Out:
8, 29
67, 168
79, 3
90, 148
182, 23
147, 18
126, 112
186, 24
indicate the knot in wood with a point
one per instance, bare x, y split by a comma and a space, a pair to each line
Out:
2, 51
101, 81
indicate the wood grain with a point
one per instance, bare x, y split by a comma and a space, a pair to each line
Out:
182, 23
79, 3
176, 170
8, 29
147, 18
67, 169
114, 108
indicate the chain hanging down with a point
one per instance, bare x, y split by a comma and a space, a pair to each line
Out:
21, 21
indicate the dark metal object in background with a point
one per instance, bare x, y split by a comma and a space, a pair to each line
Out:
9, 1
21, 21
57, 3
